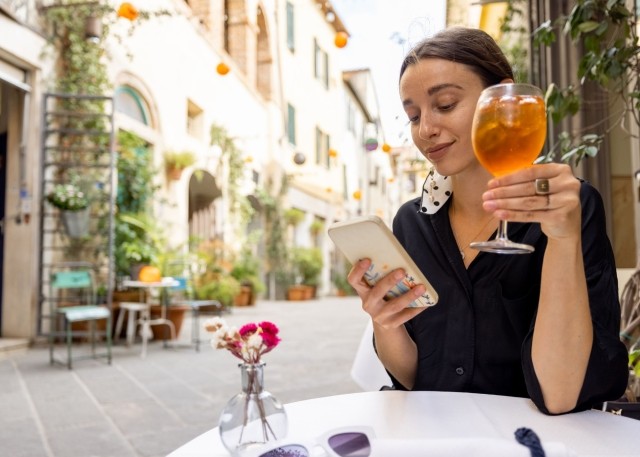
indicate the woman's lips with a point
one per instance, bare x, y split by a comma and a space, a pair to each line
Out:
436, 152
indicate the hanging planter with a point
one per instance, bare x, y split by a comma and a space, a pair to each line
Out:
175, 162
76, 223
73, 205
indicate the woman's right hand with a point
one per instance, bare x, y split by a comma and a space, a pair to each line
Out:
386, 313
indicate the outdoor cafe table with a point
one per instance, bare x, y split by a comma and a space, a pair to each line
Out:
162, 319
437, 415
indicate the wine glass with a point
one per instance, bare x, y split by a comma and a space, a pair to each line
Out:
508, 131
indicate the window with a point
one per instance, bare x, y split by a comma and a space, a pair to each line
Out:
194, 120
321, 65
129, 102
291, 124
322, 148
291, 44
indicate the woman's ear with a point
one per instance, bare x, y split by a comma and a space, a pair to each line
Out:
506, 81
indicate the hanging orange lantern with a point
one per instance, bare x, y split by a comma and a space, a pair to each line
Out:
386, 147
333, 153
329, 190
248, 159
222, 69
391, 179
341, 39
357, 195
128, 11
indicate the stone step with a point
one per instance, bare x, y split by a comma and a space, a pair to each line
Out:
13, 346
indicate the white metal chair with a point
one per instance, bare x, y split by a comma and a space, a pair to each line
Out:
72, 300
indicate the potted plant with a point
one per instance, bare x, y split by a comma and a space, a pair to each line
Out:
73, 204
246, 271
343, 288
316, 227
217, 286
293, 216
307, 264
175, 162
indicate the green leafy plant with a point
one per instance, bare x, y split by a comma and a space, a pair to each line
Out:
607, 33
179, 159
246, 269
307, 264
218, 286
135, 174
138, 240
293, 216
340, 282
68, 197
316, 227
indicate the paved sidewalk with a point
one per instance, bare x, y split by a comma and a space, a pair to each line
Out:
148, 407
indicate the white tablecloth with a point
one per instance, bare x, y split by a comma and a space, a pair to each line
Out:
396, 415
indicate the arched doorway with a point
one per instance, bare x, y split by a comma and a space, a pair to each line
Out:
205, 222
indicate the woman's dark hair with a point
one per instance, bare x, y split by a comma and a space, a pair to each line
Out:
471, 47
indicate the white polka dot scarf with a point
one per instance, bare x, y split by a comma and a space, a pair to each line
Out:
435, 192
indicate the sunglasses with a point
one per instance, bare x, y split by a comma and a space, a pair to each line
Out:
340, 442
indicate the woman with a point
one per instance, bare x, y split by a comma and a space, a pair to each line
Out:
543, 325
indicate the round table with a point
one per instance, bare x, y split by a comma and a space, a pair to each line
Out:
438, 415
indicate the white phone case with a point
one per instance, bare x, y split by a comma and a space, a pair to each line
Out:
369, 237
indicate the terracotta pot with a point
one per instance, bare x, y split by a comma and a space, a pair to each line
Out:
174, 173
174, 313
297, 293
244, 298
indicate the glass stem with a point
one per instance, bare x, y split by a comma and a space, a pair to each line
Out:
502, 231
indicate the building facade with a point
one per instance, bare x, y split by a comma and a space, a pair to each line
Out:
264, 73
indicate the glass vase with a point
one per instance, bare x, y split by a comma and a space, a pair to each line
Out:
254, 416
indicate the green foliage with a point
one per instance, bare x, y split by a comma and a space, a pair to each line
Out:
339, 280
239, 206
138, 240
293, 216
307, 264
316, 227
223, 288
135, 174
68, 197
634, 361
606, 31
246, 269
179, 159
274, 229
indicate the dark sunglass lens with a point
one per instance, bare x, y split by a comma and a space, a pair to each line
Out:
350, 445
291, 450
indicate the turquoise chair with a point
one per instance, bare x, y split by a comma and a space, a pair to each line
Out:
72, 299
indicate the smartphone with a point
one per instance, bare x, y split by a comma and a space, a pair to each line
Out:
369, 237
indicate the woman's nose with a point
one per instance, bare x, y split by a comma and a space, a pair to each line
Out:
427, 128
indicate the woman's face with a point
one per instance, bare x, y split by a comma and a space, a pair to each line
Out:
439, 97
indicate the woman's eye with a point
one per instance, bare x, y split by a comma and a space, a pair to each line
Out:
447, 107
413, 119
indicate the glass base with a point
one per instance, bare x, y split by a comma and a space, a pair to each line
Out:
498, 246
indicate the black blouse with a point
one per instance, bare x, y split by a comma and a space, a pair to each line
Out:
478, 337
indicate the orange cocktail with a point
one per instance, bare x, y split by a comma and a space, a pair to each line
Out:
509, 131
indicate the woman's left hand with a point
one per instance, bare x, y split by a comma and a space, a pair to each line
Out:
514, 197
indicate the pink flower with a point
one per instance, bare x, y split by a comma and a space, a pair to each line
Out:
248, 329
248, 343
